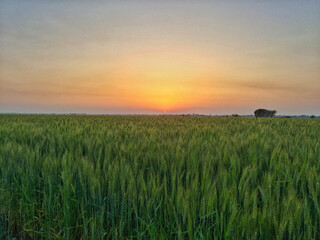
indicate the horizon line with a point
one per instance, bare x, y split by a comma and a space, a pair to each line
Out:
155, 114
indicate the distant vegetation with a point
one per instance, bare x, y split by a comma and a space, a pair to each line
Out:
117, 177
264, 113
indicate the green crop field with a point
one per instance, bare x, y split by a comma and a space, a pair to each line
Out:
145, 177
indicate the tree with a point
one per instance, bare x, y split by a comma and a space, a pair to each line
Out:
264, 113
312, 116
273, 113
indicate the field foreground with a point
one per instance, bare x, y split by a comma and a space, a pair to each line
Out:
127, 177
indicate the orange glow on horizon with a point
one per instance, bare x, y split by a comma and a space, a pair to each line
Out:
163, 81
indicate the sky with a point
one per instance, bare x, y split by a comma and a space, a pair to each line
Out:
154, 57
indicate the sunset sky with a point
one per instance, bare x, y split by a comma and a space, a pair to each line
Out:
212, 57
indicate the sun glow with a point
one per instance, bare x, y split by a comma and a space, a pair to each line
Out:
163, 81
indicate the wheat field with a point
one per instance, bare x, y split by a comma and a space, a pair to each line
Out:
159, 177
